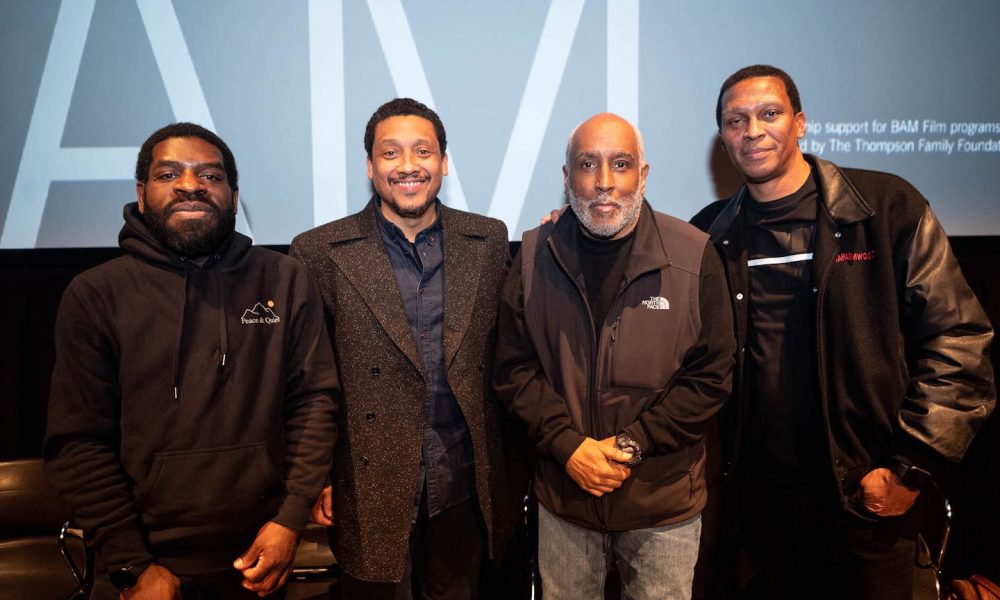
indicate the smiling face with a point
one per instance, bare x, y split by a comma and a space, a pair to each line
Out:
406, 166
760, 131
187, 202
604, 176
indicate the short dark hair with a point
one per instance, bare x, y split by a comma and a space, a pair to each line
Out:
399, 107
758, 71
185, 130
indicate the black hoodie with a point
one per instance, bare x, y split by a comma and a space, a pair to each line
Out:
189, 404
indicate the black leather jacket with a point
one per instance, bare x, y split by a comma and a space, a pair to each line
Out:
902, 344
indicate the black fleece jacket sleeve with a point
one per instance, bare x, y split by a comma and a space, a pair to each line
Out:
704, 382
521, 383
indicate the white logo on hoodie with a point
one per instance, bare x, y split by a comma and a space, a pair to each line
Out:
260, 315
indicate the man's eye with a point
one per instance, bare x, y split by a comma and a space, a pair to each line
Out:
212, 177
390, 154
587, 164
770, 114
621, 164
165, 176
423, 152
734, 121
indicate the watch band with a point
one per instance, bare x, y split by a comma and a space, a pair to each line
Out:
911, 475
626, 444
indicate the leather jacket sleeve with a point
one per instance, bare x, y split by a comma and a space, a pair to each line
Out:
947, 334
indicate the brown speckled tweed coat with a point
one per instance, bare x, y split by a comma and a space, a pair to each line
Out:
376, 462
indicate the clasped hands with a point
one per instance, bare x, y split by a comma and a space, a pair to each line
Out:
597, 466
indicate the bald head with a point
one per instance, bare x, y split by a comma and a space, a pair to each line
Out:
608, 123
605, 175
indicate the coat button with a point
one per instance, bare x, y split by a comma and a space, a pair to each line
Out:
375, 372
837, 235
370, 417
725, 242
739, 295
364, 460
815, 289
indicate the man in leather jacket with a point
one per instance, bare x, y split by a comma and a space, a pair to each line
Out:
862, 361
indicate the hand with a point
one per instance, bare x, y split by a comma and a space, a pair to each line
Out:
155, 583
596, 466
268, 562
322, 511
553, 216
884, 493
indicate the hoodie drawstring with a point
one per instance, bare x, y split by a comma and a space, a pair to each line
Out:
180, 334
223, 316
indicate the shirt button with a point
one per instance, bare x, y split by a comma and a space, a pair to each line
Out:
837, 235
725, 242
815, 290
739, 295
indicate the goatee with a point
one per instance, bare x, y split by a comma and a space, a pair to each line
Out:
191, 237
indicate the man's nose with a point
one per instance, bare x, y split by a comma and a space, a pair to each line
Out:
407, 162
754, 128
605, 179
188, 180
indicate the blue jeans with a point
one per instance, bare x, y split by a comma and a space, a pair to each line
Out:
654, 564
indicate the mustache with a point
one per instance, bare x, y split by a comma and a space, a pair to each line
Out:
199, 196
604, 198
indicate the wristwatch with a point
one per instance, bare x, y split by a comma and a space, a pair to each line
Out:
626, 444
127, 577
911, 475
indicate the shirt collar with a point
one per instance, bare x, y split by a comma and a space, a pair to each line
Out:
390, 231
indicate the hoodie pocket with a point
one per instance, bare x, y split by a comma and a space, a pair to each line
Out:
199, 494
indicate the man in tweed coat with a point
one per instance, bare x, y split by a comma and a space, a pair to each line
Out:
419, 488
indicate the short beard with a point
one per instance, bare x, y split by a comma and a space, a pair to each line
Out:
410, 213
628, 212
191, 238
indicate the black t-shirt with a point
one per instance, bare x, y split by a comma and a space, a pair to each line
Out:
784, 432
603, 263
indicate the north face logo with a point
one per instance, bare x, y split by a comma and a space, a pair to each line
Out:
657, 303
260, 315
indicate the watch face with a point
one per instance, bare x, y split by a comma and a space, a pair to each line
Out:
123, 579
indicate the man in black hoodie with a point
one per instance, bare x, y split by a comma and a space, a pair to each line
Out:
191, 410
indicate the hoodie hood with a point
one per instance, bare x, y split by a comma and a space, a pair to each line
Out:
137, 240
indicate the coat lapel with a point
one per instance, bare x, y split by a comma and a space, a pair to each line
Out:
365, 264
463, 258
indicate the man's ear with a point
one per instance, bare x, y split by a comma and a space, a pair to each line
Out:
368, 164
236, 201
140, 189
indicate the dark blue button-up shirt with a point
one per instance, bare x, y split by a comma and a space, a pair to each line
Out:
448, 470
